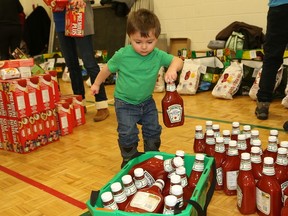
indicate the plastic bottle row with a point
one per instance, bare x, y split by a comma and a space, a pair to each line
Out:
154, 185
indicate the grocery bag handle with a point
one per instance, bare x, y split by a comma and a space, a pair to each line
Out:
93, 197
202, 211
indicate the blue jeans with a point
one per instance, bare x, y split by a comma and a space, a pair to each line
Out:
129, 115
274, 47
69, 47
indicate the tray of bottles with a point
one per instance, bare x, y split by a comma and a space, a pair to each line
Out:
199, 194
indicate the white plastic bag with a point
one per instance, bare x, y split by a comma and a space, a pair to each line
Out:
160, 83
65, 75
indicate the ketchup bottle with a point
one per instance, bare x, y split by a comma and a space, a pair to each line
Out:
275, 133
284, 144
281, 167
187, 192
247, 132
129, 185
220, 156
235, 130
199, 141
226, 138
208, 126
172, 107
254, 135
169, 204
216, 130
196, 172
271, 150
241, 144
210, 143
268, 191
230, 169
119, 195
177, 191
256, 162
108, 201
148, 199
246, 186
257, 143
174, 180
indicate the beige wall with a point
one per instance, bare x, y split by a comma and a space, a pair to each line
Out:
199, 20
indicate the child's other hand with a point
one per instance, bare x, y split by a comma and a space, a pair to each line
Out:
95, 89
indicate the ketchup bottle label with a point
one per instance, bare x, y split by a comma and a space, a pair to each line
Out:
263, 201
145, 201
219, 176
239, 196
149, 178
232, 180
175, 113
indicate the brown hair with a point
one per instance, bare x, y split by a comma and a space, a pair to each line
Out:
143, 21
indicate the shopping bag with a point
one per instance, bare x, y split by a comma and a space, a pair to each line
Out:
160, 83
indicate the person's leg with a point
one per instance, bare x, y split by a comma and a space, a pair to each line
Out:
85, 46
15, 38
127, 117
275, 43
69, 51
4, 42
151, 128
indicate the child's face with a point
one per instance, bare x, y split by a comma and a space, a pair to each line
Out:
143, 45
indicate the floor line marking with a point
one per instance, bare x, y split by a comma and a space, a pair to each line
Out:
45, 188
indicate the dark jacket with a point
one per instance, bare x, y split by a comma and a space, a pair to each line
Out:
9, 12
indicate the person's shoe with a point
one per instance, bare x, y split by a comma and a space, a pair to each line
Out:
262, 110
101, 115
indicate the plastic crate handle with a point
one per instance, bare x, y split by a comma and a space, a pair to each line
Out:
93, 197
202, 211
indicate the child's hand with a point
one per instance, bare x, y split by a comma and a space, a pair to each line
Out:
170, 76
95, 89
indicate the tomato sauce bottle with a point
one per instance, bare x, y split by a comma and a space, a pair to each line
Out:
174, 180
210, 143
268, 191
281, 167
247, 132
196, 172
216, 130
284, 144
255, 135
226, 138
246, 186
187, 192
235, 130
172, 107
220, 156
177, 191
241, 144
129, 186
119, 195
148, 199
199, 141
275, 133
208, 126
108, 201
271, 150
230, 169
256, 162
169, 204
257, 143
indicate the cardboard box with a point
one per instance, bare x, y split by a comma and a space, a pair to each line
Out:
5, 134
179, 44
51, 125
3, 100
74, 21
46, 86
35, 95
65, 118
15, 63
55, 85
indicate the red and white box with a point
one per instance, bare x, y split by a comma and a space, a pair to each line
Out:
74, 21
16, 93
54, 130
40, 134
65, 118
57, 5
35, 95
6, 134
16, 63
3, 100
9, 73
46, 87
55, 85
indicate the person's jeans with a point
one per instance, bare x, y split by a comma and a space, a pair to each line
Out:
129, 115
69, 47
275, 43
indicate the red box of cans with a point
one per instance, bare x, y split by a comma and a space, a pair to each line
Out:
74, 21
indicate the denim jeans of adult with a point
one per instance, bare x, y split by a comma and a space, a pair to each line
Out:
70, 47
275, 43
129, 116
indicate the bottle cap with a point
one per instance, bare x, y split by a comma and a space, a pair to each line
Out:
268, 160
176, 190
256, 142
219, 140
241, 137
175, 179
116, 186
210, 133
247, 127
180, 170
255, 150
159, 157
226, 132
284, 144
198, 127
235, 124
170, 200
255, 132
106, 196
138, 172
245, 156
126, 179
209, 123
274, 133
282, 151
272, 139
178, 161
180, 153
215, 126
232, 143
200, 157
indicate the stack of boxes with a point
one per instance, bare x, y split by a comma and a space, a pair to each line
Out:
32, 112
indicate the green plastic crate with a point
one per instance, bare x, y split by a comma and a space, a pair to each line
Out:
199, 194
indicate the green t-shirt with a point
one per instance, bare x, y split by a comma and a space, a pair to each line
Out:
136, 74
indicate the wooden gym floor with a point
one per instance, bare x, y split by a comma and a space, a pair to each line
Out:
57, 179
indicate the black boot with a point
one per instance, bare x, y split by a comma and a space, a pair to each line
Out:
128, 153
152, 145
